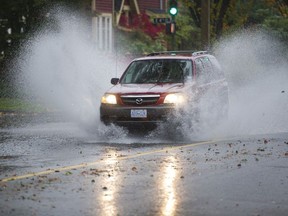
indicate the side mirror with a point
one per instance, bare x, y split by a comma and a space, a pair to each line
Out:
114, 81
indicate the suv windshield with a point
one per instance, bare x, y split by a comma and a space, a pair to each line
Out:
158, 71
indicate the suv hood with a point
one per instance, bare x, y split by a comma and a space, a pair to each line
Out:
145, 88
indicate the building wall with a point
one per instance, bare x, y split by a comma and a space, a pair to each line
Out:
102, 32
105, 18
104, 6
150, 4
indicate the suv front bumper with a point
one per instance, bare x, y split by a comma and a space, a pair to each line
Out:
122, 115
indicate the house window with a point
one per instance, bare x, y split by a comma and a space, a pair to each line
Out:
103, 32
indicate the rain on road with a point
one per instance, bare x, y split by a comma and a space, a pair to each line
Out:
53, 168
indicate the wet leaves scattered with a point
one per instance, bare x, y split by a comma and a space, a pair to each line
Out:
95, 172
52, 179
122, 155
68, 173
2, 187
4, 157
84, 173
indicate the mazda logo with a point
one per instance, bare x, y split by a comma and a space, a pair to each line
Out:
139, 101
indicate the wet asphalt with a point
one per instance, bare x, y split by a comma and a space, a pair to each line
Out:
51, 167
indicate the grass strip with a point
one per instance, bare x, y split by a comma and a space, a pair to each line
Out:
20, 105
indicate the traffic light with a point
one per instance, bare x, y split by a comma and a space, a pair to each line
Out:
173, 7
171, 28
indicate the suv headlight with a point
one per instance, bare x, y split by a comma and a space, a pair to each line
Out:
109, 99
174, 98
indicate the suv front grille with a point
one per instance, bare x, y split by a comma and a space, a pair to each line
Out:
139, 100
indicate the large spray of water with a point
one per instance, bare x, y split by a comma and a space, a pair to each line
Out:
63, 69
256, 68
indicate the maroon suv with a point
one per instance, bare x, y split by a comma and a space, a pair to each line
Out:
153, 87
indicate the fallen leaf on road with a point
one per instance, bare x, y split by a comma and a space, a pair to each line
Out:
68, 173
84, 173
53, 179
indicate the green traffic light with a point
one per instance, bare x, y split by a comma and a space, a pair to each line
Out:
173, 11
173, 7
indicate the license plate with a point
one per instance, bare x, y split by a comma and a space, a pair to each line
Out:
139, 113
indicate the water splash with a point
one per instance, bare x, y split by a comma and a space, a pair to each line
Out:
63, 69
256, 68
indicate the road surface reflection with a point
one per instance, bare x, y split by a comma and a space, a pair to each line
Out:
110, 193
168, 182
110, 183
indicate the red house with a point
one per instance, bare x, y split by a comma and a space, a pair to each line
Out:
110, 14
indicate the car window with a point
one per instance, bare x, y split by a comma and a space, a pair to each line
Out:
204, 70
217, 68
158, 71
199, 67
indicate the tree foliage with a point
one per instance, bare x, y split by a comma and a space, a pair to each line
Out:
229, 15
139, 36
188, 33
18, 18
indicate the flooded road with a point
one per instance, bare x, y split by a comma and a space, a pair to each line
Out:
51, 167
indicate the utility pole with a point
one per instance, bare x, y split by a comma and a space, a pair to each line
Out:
205, 24
173, 11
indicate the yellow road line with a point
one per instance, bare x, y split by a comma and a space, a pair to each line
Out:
88, 164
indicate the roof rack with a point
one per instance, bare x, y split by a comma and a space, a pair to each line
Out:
199, 53
187, 52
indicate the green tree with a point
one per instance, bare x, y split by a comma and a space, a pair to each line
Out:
136, 42
272, 15
230, 15
187, 33
18, 18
